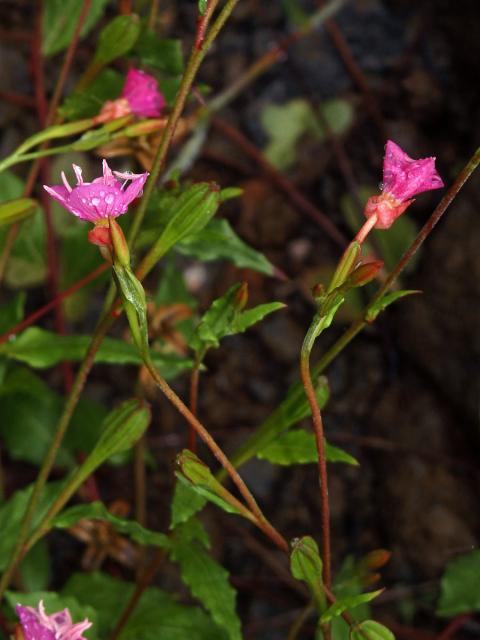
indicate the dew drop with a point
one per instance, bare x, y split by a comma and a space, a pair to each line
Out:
95, 202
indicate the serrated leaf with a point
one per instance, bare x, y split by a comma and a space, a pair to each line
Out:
117, 38
98, 511
54, 603
161, 53
60, 18
371, 630
12, 512
156, 615
459, 590
385, 301
224, 318
186, 502
207, 580
306, 565
41, 349
348, 602
219, 241
298, 447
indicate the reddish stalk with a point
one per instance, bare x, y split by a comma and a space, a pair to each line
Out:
282, 183
39, 313
194, 380
35, 169
454, 625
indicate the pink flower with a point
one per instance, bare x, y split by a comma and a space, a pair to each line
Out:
101, 199
37, 625
403, 178
140, 96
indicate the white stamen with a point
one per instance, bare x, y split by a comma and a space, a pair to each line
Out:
78, 173
65, 182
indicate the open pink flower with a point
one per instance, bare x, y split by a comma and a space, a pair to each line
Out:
101, 199
140, 96
37, 625
403, 178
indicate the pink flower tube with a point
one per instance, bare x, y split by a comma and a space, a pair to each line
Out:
403, 178
37, 625
103, 198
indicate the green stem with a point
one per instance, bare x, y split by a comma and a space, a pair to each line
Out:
193, 65
49, 460
260, 520
274, 424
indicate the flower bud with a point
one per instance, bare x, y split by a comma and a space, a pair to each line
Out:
376, 559
241, 297
120, 247
365, 273
194, 469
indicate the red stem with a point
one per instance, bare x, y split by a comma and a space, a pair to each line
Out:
39, 313
454, 625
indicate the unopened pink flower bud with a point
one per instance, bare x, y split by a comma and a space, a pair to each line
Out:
365, 273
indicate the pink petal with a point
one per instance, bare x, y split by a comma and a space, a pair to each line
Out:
404, 177
142, 93
33, 629
59, 193
96, 201
135, 188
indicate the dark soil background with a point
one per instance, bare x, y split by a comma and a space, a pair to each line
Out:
405, 394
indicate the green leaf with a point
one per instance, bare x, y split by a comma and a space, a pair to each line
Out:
298, 447
161, 53
17, 210
306, 565
286, 124
186, 502
219, 241
156, 615
385, 301
123, 427
30, 411
294, 408
371, 630
27, 266
349, 602
207, 580
202, 6
349, 581
59, 21
88, 102
117, 38
41, 349
225, 318
54, 603
193, 210
35, 567
12, 512
98, 511
459, 592
12, 312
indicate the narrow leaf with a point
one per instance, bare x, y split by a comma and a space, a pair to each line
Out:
349, 602
16, 210
98, 511
371, 630
385, 301
298, 447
